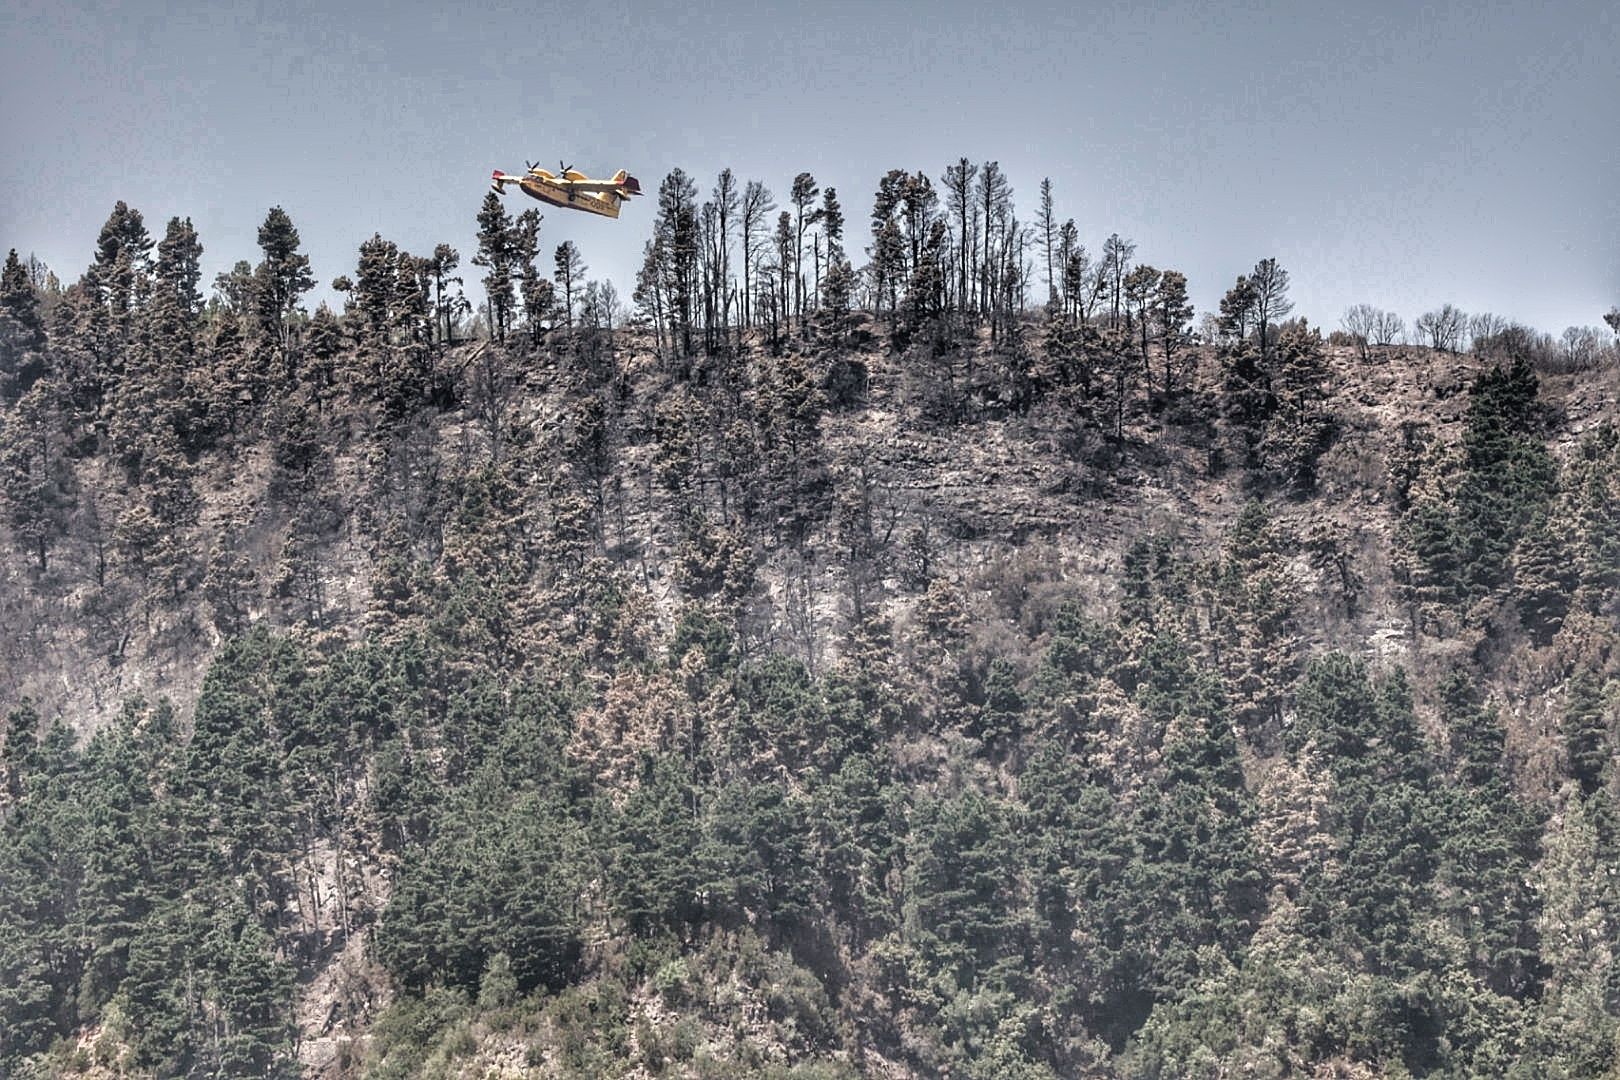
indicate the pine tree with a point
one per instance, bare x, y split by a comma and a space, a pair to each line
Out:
1544, 576
1237, 310
570, 276
1487, 849
1271, 304
373, 293
495, 254
1116, 260
168, 383
1587, 725
676, 233
1174, 311
22, 331
281, 278
1594, 498
43, 951
497, 879
888, 251
121, 770
802, 196
1046, 237
1575, 1024
1294, 823
959, 900
649, 293
726, 203
653, 879
838, 295
1387, 821
1141, 285
442, 265
918, 202
35, 476
963, 213
993, 197
123, 251
405, 364
252, 992
782, 293
537, 293
925, 294
1336, 713
1082, 284
415, 318
323, 343
1456, 545
858, 823
757, 852
1299, 429
1196, 878
178, 272
757, 207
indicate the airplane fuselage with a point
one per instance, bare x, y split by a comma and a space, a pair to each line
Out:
557, 195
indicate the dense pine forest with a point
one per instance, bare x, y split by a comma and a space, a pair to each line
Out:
974, 662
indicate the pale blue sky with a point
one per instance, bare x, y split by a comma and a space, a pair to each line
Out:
1400, 154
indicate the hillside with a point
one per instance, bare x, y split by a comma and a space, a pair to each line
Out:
929, 689
982, 489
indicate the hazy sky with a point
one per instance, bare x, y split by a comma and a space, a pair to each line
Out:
1396, 153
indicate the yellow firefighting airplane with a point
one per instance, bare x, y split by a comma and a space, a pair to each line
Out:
572, 190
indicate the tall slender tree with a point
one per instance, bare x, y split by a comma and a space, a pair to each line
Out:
495, 255
727, 203
677, 230
1116, 260
281, 278
123, 251
1046, 237
570, 276
372, 292
178, 271
1271, 304
803, 197
1237, 310
888, 250
649, 290
1141, 284
442, 266
757, 206
33, 474
784, 266
22, 331
959, 204
832, 223
534, 289
994, 195
1175, 311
